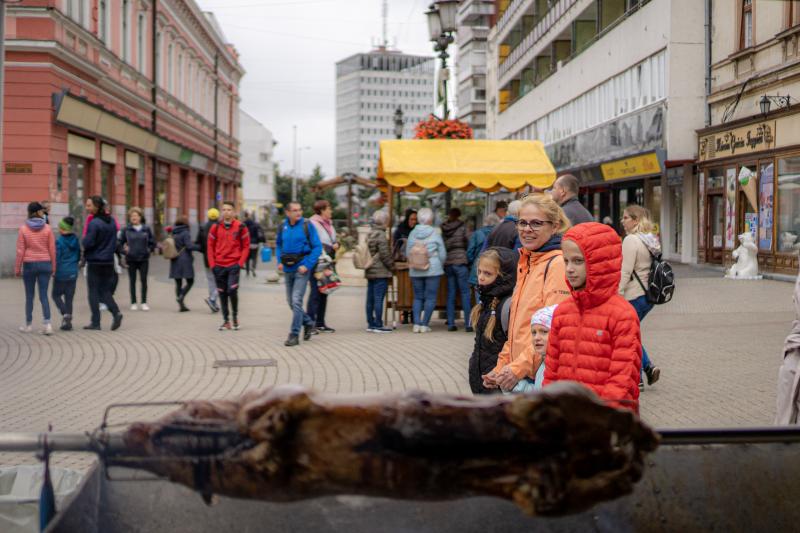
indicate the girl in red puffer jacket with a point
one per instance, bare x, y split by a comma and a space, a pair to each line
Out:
595, 337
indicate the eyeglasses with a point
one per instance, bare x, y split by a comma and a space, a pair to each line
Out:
533, 225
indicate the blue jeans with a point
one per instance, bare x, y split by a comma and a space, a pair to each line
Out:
457, 279
376, 291
642, 307
425, 291
36, 273
295, 291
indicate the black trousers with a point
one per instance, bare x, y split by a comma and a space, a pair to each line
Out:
180, 290
142, 268
100, 280
317, 303
63, 293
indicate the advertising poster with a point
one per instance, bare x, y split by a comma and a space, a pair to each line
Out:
766, 199
751, 224
730, 209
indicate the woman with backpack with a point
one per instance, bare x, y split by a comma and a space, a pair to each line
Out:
137, 243
379, 272
496, 276
426, 256
181, 267
638, 248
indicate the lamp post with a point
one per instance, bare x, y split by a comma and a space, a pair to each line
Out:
441, 26
398, 133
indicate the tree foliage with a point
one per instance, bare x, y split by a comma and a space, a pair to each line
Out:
305, 194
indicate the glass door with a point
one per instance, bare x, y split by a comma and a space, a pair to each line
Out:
716, 228
748, 199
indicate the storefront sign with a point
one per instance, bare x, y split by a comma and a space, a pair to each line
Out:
19, 168
632, 167
745, 140
766, 201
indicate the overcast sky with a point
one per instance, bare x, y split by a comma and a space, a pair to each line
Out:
289, 49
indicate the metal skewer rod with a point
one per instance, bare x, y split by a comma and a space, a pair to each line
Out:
59, 442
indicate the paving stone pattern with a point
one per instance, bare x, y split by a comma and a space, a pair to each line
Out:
718, 345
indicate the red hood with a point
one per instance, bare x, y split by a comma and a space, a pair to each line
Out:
602, 248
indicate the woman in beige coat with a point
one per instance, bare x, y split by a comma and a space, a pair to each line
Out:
789, 373
638, 247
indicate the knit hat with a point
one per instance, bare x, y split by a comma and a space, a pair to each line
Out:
544, 316
66, 224
34, 207
213, 213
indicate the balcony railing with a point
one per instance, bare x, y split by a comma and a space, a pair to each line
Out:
509, 14
474, 8
558, 10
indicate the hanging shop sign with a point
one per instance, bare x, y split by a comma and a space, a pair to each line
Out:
745, 140
765, 207
631, 167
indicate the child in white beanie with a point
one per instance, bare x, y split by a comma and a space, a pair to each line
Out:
540, 332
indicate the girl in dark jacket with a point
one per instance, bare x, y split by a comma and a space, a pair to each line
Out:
137, 243
497, 275
182, 267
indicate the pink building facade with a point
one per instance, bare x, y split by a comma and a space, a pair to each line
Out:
98, 103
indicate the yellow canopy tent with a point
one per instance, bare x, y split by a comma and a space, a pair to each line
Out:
442, 164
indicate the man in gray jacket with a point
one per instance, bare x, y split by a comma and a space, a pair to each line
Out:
565, 192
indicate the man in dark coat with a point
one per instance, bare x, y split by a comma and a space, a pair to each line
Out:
565, 192
456, 240
505, 235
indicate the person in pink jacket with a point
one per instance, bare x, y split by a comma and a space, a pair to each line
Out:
36, 263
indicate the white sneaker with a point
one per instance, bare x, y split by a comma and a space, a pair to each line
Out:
145, 307
370, 330
416, 329
26, 329
47, 329
103, 307
424, 329
134, 307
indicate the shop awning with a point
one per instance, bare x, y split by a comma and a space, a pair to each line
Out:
442, 164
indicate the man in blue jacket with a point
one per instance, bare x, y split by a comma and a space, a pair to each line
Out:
297, 250
99, 246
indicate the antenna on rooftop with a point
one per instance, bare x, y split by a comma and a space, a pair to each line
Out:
385, 10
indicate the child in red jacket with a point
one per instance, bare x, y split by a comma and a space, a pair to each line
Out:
595, 337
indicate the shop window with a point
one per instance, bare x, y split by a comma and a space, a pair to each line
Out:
716, 178
107, 182
746, 29
788, 204
131, 188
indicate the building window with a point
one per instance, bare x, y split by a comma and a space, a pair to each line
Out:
263, 179
788, 204
141, 28
126, 28
746, 31
792, 13
263, 156
179, 88
102, 20
170, 78
190, 87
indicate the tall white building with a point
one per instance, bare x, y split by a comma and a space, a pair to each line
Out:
615, 90
369, 88
474, 18
258, 180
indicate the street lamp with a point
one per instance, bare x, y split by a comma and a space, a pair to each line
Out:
767, 100
441, 25
398, 123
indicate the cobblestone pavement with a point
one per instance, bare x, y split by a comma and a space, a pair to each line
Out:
718, 345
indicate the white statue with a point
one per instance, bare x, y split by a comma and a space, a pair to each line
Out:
746, 255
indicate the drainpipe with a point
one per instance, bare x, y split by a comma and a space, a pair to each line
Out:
708, 7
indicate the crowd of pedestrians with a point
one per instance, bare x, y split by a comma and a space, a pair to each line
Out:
548, 293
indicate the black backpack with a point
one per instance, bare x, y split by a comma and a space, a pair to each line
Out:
660, 282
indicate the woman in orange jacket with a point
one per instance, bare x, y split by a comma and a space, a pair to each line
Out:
594, 337
540, 283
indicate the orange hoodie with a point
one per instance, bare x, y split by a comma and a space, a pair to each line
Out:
532, 292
